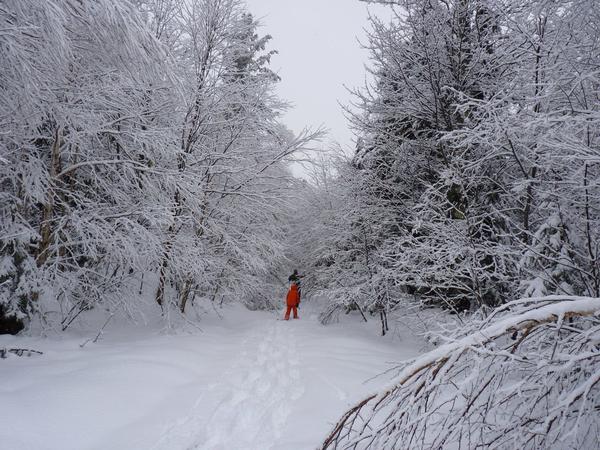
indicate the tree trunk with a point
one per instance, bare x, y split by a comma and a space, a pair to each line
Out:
185, 294
589, 238
162, 276
48, 209
384, 322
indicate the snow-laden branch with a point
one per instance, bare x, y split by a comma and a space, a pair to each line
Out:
108, 162
522, 378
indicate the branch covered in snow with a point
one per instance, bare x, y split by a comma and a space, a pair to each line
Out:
525, 377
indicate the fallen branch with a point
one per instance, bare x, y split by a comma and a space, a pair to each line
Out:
18, 351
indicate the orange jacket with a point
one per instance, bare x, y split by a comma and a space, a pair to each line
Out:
293, 299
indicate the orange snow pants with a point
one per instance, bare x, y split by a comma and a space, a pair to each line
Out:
289, 309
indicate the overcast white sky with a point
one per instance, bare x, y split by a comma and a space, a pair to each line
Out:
318, 55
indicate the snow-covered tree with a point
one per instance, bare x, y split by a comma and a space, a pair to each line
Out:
475, 137
141, 150
83, 108
504, 203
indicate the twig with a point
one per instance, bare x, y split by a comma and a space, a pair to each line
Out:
99, 332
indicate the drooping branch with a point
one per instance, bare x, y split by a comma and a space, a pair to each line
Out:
437, 397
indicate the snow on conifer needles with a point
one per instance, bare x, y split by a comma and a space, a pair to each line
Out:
527, 376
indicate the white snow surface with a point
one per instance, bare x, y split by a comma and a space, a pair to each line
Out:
247, 381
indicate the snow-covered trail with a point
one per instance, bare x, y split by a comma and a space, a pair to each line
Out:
248, 382
258, 392
248, 407
287, 384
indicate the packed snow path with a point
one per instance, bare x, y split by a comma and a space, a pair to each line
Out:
252, 402
258, 392
248, 382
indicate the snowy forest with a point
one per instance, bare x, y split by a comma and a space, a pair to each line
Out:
146, 183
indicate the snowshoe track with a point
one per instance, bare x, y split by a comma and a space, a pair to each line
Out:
261, 385
250, 406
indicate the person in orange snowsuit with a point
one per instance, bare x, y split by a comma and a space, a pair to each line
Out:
292, 301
